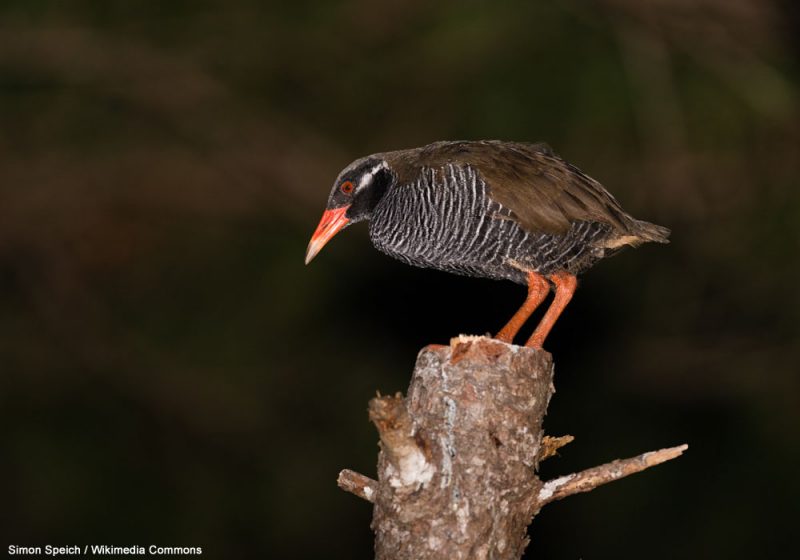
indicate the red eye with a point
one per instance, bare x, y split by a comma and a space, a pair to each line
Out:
347, 187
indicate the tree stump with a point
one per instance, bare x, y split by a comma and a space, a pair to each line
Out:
457, 470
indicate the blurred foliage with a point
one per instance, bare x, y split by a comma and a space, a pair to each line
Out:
173, 374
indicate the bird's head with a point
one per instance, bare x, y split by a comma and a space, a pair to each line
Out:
356, 192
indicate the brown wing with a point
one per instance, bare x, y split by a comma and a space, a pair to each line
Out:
544, 192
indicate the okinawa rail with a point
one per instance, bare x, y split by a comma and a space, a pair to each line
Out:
491, 209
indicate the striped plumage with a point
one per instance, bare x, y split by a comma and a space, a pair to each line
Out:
491, 209
446, 220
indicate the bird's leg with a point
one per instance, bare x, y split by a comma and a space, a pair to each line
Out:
565, 286
537, 291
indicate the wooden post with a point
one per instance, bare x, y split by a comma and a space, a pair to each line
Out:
459, 455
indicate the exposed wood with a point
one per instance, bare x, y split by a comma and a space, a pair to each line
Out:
457, 467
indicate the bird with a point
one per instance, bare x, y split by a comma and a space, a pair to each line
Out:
488, 208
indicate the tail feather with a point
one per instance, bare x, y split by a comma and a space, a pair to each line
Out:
651, 232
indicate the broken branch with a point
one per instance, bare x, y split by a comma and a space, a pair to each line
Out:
358, 484
590, 479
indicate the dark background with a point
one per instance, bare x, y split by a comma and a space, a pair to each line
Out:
172, 374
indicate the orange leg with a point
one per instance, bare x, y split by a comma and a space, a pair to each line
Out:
565, 286
537, 291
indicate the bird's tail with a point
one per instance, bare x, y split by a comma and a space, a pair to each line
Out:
651, 232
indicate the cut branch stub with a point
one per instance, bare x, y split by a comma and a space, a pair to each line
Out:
458, 456
357, 484
457, 467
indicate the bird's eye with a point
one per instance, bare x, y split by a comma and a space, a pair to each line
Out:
347, 187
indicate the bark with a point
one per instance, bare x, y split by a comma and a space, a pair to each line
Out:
457, 467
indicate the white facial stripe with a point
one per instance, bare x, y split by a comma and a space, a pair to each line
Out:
370, 175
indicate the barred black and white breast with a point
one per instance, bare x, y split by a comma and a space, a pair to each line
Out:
447, 220
504, 210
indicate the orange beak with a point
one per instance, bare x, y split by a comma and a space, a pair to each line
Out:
332, 221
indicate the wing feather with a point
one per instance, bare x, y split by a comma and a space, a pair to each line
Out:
543, 192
